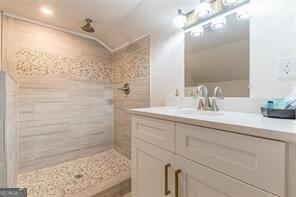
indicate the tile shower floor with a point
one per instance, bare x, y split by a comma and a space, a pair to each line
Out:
82, 177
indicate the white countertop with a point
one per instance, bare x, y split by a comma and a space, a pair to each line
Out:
237, 122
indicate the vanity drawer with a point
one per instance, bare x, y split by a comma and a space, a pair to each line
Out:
157, 132
249, 159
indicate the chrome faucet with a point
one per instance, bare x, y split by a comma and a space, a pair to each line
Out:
217, 95
204, 100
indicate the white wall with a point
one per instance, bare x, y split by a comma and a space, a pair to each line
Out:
272, 35
167, 63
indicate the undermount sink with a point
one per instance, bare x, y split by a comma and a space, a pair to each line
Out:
196, 112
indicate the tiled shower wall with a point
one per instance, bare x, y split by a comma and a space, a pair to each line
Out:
66, 86
8, 131
65, 93
11, 132
2, 147
130, 65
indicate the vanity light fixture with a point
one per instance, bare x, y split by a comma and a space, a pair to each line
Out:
229, 2
203, 9
197, 31
219, 22
211, 13
46, 11
180, 21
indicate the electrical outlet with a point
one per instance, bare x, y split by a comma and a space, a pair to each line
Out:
287, 67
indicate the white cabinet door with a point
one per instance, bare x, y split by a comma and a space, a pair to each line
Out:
198, 181
148, 170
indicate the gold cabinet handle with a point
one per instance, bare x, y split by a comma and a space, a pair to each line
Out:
166, 179
177, 172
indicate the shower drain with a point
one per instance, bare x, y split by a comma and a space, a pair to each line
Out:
78, 176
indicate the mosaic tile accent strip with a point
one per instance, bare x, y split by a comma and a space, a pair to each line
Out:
90, 172
132, 67
42, 64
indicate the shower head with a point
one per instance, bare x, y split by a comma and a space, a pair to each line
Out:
87, 27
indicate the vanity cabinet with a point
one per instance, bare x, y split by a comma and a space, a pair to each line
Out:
180, 160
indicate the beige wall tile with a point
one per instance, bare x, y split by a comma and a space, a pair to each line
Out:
65, 93
130, 65
8, 131
2, 116
11, 132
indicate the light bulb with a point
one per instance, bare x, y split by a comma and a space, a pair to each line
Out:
244, 15
46, 11
203, 9
197, 31
218, 22
180, 21
229, 2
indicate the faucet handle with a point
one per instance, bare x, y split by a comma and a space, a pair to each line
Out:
218, 93
202, 91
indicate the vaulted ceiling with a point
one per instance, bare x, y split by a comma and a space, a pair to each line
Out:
117, 22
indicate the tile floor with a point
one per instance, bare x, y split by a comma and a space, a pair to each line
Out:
82, 177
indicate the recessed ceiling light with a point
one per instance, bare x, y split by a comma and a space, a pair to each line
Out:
46, 11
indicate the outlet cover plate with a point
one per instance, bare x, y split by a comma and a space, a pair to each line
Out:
287, 67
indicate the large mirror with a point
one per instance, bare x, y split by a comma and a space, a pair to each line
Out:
219, 58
